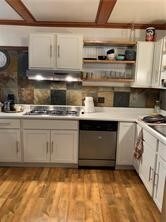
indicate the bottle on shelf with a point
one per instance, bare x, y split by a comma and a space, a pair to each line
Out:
132, 33
157, 107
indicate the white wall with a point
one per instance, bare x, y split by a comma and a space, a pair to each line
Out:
18, 35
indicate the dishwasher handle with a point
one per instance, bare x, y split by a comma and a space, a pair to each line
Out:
92, 125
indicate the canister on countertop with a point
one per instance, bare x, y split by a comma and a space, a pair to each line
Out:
150, 34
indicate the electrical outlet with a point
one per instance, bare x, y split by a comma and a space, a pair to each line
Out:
100, 99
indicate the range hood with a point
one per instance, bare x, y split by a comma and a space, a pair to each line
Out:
51, 75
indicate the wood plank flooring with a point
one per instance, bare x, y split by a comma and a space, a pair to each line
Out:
73, 195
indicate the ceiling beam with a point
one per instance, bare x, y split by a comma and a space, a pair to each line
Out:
20, 8
104, 11
81, 24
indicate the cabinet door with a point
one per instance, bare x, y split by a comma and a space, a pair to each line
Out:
69, 51
144, 61
157, 63
42, 51
147, 167
160, 177
10, 149
36, 145
64, 146
125, 145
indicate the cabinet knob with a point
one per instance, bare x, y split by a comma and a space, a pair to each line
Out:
100, 137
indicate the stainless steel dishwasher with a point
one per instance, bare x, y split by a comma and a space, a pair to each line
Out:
97, 143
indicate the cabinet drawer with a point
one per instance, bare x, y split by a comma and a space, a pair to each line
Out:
162, 150
9, 124
149, 139
50, 124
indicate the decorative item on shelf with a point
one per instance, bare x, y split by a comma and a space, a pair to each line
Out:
132, 33
130, 54
150, 34
102, 57
4, 59
111, 54
120, 57
157, 107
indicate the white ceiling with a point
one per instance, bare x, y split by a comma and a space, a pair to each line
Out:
6, 12
139, 11
63, 10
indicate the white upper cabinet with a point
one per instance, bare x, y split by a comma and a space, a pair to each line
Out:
42, 51
159, 64
69, 51
144, 61
55, 51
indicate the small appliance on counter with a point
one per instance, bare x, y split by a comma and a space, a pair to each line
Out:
9, 104
89, 105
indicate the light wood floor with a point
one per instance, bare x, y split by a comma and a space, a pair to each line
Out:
72, 195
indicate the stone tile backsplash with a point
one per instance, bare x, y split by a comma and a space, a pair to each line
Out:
13, 80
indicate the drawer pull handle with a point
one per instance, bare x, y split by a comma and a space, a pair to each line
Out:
17, 146
47, 147
156, 182
52, 147
150, 171
58, 50
4, 124
50, 50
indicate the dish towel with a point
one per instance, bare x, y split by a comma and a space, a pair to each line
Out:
139, 147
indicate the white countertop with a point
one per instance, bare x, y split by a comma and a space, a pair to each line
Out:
153, 132
101, 113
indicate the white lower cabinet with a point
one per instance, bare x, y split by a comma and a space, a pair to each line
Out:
147, 167
148, 161
152, 166
160, 176
50, 141
36, 145
64, 146
10, 148
125, 144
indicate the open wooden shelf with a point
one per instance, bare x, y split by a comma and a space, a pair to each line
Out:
109, 61
14, 47
110, 43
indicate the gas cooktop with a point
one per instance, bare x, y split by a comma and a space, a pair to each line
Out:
54, 111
